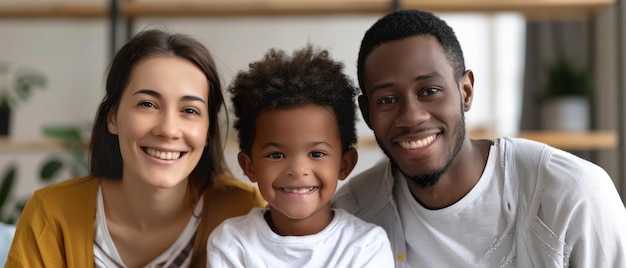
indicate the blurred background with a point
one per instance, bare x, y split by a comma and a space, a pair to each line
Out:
547, 70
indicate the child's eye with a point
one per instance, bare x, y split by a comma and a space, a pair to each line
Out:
317, 154
275, 155
387, 100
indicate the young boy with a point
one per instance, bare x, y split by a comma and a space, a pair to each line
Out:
296, 126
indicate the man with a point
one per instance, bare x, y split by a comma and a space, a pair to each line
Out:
446, 200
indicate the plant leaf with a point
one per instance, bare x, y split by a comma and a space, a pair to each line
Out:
26, 80
14, 215
79, 163
50, 169
7, 184
70, 135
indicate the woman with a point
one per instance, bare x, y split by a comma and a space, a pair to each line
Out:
158, 184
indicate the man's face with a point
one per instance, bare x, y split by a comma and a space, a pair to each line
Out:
415, 106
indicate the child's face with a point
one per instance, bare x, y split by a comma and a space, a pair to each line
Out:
297, 160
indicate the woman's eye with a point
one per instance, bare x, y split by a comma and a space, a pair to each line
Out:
146, 104
191, 111
317, 154
275, 155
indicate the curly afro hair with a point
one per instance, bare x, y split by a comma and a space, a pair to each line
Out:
278, 81
407, 23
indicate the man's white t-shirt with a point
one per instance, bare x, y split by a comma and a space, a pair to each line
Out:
471, 231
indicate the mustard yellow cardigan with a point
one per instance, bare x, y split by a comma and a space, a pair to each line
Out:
56, 228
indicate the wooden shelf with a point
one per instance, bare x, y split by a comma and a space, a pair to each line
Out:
12, 145
255, 8
533, 8
138, 9
596, 140
48, 10
570, 141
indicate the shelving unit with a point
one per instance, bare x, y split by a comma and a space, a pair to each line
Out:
140, 9
117, 11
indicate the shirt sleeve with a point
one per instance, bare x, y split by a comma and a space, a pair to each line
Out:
377, 252
35, 244
223, 250
581, 206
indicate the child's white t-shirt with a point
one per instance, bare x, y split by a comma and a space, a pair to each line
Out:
248, 241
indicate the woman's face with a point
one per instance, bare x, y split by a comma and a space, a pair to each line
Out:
162, 121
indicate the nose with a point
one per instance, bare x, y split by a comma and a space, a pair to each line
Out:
299, 167
168, 126
412, 113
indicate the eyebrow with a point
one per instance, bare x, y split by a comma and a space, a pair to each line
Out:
315, 143
418, 78
159, 96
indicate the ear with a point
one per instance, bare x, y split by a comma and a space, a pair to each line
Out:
245, 162
364, 107
112, 122
466, 86
348, 162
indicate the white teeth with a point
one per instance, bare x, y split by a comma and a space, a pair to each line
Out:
411, 145
297, 190
163, 155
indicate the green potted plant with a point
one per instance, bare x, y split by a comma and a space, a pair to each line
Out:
73, 159
567, 95
16, 86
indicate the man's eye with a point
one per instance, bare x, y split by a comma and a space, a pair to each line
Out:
317, 154
430, 91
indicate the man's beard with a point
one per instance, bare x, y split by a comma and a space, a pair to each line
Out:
431, 178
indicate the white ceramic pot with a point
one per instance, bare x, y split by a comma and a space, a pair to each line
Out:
570, 113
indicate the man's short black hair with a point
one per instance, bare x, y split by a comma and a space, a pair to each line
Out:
407, 23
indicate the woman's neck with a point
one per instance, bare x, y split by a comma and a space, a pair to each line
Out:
145, 208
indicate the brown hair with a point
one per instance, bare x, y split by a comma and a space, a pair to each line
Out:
105, 157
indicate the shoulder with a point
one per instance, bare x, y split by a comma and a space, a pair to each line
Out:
240, 224
366, 189
233, 230
54, 215
554, 167
229, 184
227, 187
69, 195
358, 227
229, 197
81, 185
364, 180
559, 178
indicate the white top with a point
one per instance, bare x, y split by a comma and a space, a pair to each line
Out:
106, 255
560, 211
461, 235
247, 241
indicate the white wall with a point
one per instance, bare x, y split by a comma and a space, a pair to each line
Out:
74, 56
